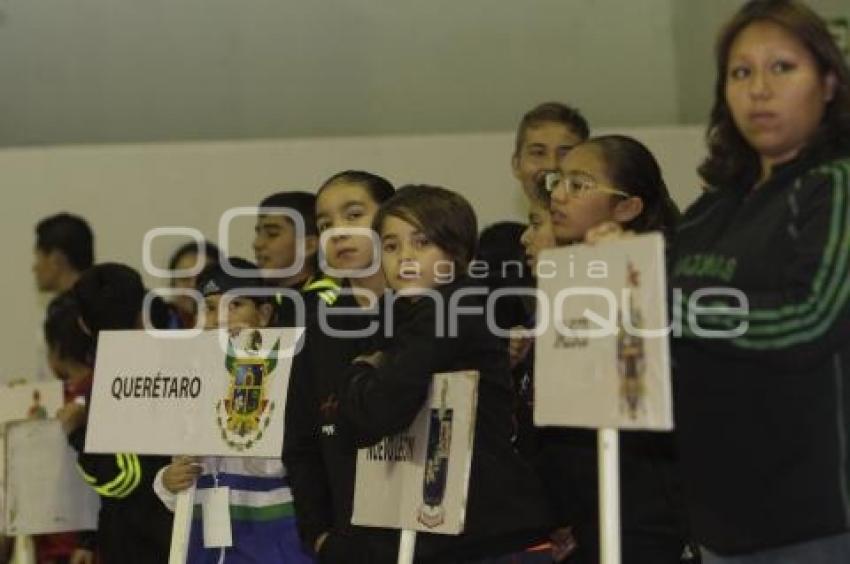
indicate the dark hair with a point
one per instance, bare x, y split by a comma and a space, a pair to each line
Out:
555, 112
380, 189
302, 202
69, 234
211, 251
445, 217
213, 279
63, 333
731, 159
110, 296
498, 246
631, 167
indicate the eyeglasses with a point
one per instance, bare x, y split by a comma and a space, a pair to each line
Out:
578, 184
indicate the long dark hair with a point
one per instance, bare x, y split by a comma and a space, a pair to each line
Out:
731, 160
632, 167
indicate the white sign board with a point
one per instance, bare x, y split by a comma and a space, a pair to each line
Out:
22, 401
418, 479
44, 491
603, 358
211, 394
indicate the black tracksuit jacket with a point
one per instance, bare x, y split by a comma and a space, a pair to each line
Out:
133, 526
762, 416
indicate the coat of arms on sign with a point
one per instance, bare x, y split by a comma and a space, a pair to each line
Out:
245, 412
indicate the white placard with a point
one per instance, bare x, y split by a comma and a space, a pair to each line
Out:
21, 401
603, 358
44, 491
418, 479
212, 394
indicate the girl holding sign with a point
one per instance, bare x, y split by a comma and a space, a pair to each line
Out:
428, 237
762, 404
614, 179
257, 500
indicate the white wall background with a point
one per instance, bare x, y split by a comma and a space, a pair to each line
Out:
125, 190
101, 71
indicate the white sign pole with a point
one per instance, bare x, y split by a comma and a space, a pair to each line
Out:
609, 496
183, 508
406, 546
24, 551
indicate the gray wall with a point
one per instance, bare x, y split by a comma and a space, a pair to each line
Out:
160, 70
152, 70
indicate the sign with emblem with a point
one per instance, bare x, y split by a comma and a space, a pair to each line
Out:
419, 479
20, 401
219, 393
602, 359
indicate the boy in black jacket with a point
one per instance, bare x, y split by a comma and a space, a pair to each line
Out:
287, 255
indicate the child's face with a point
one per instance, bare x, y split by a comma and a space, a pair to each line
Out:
410, 261
74, 374
538, 235
275, 244
542, 150
186, 262
242, 312
573, 215
342, 206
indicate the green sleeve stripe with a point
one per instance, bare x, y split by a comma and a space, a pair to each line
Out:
136, 475
89, 479
106, 489
800, 336
835, 255
114, 486
827, 302
127, 479
830, 302
321, 284
133, 476
329, 296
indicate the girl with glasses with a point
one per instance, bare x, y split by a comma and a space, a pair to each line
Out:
613, 179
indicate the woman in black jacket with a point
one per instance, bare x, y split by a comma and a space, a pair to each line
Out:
761, 387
